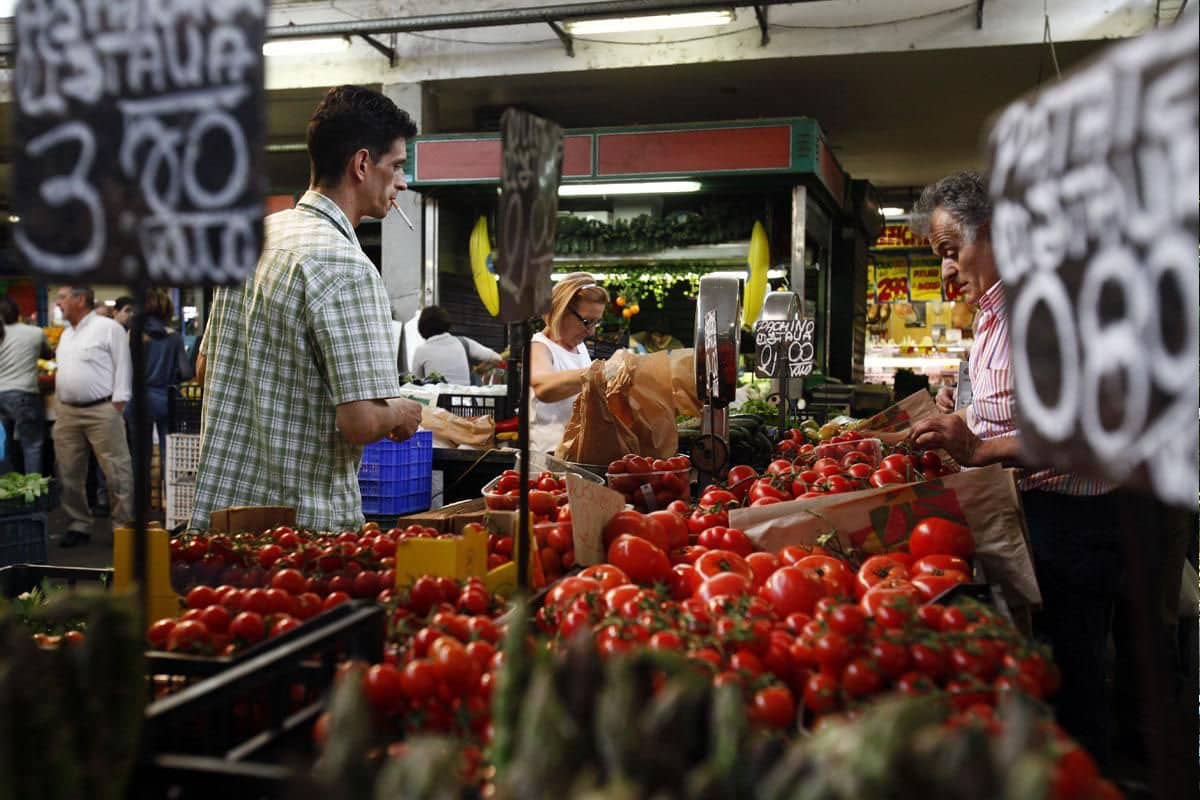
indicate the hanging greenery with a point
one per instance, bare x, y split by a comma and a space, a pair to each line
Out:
712, 224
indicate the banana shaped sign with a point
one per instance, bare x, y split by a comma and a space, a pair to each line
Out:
758, 260
485, 279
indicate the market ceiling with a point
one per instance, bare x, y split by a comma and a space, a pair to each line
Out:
899, 119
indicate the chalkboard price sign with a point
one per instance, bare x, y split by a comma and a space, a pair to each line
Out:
1094, 182
784, 348
139, 138
529, 177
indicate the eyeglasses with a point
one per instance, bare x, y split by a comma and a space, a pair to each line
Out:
590, 324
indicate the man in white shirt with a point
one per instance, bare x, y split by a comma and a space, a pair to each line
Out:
92, 388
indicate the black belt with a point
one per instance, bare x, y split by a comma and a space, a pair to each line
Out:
89, 403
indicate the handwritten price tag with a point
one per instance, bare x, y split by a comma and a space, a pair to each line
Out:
592, 506
140, 140
784, 348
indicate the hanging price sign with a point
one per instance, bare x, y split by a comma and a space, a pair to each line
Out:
1095, 182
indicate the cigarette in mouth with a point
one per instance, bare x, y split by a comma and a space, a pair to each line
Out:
396, 206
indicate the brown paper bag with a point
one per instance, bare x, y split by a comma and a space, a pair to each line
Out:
625, 407
901, 416
593, 435
651, 400
985, 500
455, 431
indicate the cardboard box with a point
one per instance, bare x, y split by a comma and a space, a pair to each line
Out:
250, 518
447, 519
461, 557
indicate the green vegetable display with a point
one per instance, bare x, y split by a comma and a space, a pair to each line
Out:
14, 486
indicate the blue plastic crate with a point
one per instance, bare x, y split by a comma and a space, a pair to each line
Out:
23, 539
397, 478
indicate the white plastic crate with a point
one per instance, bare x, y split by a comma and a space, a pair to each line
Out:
183, 458
180, 500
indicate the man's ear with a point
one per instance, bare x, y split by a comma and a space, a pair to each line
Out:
360, 163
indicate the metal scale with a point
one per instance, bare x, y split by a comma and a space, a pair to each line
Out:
784, 305
718, 336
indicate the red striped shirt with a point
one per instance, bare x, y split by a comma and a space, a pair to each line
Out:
990, 414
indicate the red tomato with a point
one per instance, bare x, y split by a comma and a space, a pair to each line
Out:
936, 535
793, 589
715, 562
609, 576
890, 592
635, 523
821, 693
618, 596
792, 553
725, 584
930, 585
248, 627
876, 569
644, 562
215, 618
674, 525
940, 562
739, 479
773, 707
860, 678
684, 581
188, 636
334, 599
722, 538
898, 462
833, 571
569, 588
716, 496
775, 488
762, 564
201, 597
541, 502
453, 665
384, 688
159, 632
885, 477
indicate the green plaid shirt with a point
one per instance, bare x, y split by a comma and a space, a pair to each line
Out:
309, 331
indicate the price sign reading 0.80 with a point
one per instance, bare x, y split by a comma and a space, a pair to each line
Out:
1095, 228
139, 139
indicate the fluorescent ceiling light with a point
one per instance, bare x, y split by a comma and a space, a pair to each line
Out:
305, 47
891, 211
650, 187
603, 276
656, 22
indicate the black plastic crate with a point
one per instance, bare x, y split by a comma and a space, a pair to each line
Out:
17, 579
23, 539
183, 408
241, 731
473, 405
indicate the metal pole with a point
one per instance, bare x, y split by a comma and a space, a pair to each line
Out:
141, 448
524, 540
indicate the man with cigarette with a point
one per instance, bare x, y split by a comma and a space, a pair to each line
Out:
299, 368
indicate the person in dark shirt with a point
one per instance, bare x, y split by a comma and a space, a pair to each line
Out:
167, 365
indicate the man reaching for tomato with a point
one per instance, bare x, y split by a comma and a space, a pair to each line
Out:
1072, 520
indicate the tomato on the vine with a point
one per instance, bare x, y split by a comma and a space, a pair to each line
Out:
642, 561
773, 707
877, 569
793, 589
935, 535
715, 562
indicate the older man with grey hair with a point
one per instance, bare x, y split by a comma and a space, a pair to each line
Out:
1072, 519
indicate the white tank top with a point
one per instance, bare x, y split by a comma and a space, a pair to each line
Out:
549, 419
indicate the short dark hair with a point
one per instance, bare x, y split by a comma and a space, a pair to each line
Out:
433, 320
348, 119
158, 304
86, 292
9, 313
122, 301
964, 196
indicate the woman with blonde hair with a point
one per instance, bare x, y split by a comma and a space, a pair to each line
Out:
558, 358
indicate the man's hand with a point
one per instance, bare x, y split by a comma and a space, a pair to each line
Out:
120, 407
945, 399
408, 415
948, 432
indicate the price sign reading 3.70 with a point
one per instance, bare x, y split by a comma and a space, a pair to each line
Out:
139, 140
